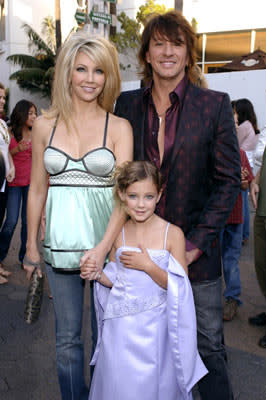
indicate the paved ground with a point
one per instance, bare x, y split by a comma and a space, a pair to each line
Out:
27, 359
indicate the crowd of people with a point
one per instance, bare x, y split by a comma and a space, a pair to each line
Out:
153, 234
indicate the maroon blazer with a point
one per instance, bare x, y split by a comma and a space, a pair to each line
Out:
205, 173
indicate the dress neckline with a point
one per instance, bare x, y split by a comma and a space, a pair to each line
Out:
137, 248
69, 157
88, 152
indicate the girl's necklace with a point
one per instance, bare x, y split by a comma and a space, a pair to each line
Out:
4, 132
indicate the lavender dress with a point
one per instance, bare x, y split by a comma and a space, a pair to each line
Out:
147, 346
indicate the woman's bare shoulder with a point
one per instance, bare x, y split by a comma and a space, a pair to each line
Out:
42, 127
120, 124
43, 124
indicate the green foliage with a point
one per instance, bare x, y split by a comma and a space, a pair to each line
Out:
36, 73
147, 9
128, 38
48, 31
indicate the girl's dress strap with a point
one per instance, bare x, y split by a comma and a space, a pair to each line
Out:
123, 237
165, 235
53, 131
105, 129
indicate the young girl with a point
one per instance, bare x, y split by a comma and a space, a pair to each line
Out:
147, 344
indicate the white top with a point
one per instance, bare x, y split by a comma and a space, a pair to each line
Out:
4, 145
259, 149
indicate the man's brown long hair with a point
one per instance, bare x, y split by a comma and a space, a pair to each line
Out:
171, 26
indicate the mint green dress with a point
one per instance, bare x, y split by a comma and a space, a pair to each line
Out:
79, 202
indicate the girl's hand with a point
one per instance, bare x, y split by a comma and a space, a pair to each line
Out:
88, 270
93, 258
135, 260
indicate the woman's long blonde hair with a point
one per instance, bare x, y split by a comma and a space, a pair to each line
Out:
101, 52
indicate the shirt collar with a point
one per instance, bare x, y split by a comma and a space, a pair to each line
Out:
177, 94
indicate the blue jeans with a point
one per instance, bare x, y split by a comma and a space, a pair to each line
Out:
231, 244
246, 217
67, 289
208, 302
17, 195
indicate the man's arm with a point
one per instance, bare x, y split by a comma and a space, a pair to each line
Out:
225, 177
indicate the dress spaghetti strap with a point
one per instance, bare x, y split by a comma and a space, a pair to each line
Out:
165, 235
105, 129
53, 131
123, 237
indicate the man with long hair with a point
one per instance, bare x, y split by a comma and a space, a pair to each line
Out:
188, 133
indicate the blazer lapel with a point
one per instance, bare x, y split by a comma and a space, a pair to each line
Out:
183, 128
137, 118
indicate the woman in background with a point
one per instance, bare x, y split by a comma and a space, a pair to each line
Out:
8, 167
247, 134
21, 122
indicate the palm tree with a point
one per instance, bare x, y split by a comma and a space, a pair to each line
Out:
37, 70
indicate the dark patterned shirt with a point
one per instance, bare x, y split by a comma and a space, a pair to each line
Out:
151, 139
151, 136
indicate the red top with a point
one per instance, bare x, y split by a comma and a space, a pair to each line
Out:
22, 162
236, 216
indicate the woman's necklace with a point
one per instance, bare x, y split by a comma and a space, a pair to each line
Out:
4, 132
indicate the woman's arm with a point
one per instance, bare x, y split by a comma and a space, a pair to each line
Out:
20, 147
123, 150
254, 188
37, 192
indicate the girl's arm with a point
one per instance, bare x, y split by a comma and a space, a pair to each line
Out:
143, 262
123, 150
37, 192
177, 245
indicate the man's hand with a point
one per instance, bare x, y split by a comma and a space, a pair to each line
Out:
193, 255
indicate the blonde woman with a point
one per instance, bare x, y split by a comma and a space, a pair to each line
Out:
78, 142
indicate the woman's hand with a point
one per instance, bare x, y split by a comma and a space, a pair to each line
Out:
136, 260
11, 174
22, 146
91, 264
89, 270
32, 255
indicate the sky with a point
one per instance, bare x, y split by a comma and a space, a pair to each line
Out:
219, 15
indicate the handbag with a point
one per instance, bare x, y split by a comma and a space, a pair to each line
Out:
34, 298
